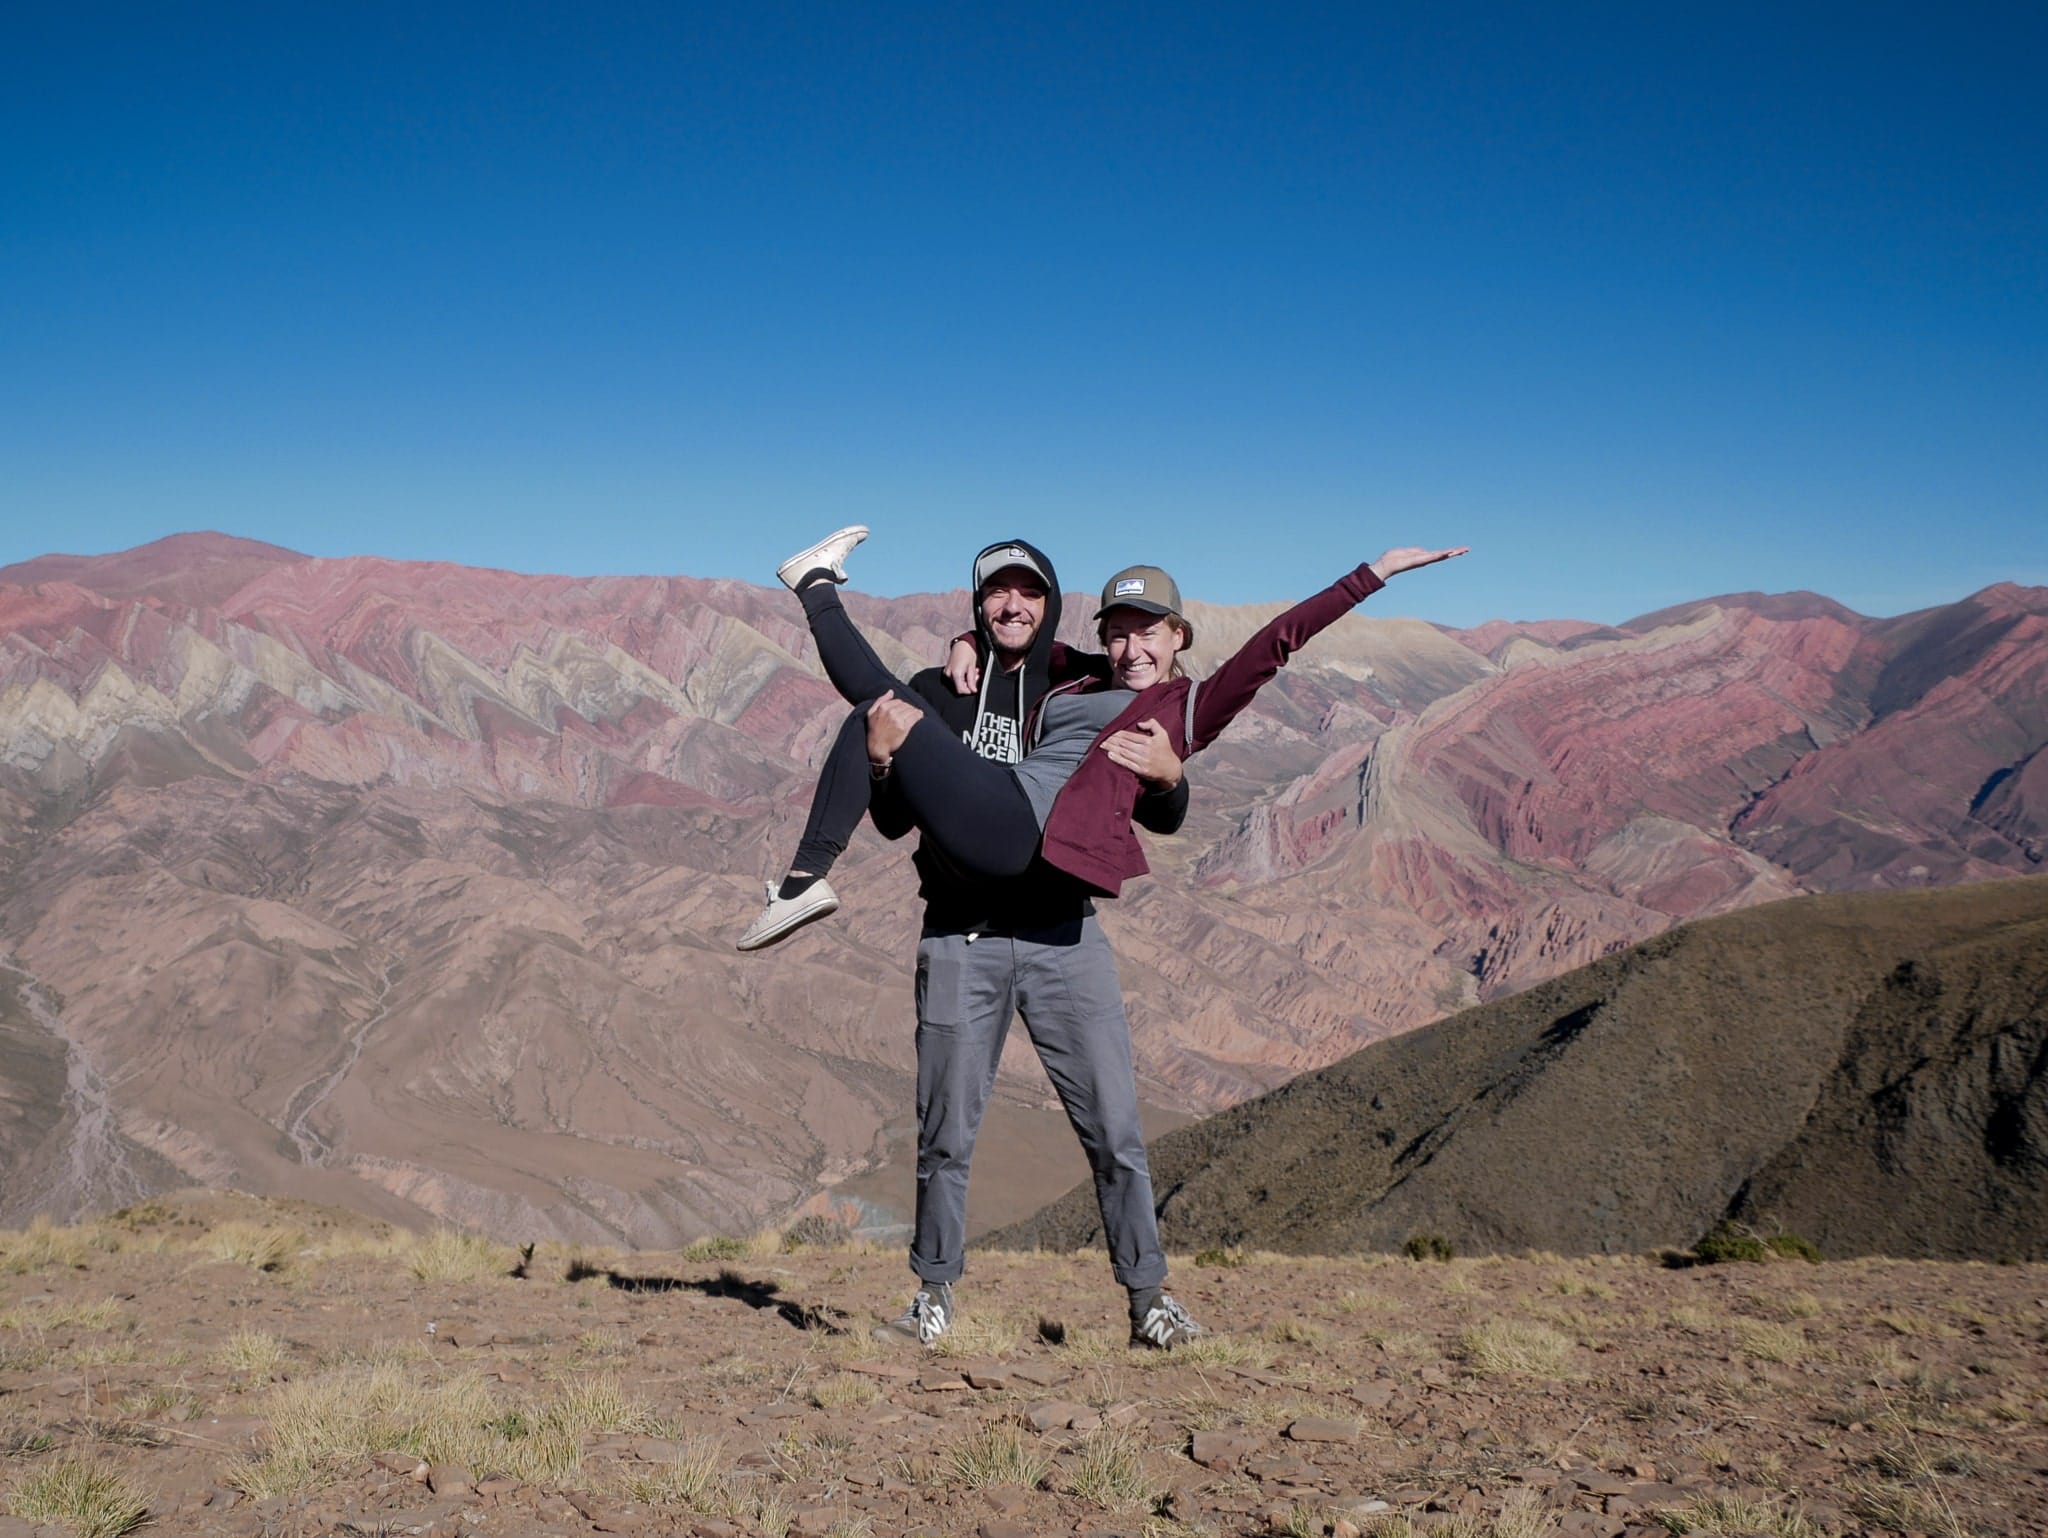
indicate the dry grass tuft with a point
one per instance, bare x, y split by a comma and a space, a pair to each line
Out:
256, 1353
319, 1425
981, 1335
1915, 1326
447, 1256
1517, 1346
266, 1247
1209, 1350
1298, 1332
690, 1480
998, 1454
756, 1246
1769, 1342
103, 1315
361, 1244
1571, 1285
844, 1391
1901, 1508
1361, 1300
1801, 1305
1108, 1470
43, 1245
91, 1499
1733, 1517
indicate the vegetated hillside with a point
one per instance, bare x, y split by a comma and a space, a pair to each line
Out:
1869, 1071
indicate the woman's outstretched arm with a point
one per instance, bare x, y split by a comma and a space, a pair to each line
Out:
1224, 693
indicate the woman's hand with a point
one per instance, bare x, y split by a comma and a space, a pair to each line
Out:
1147, 752
963, 666
1394, 562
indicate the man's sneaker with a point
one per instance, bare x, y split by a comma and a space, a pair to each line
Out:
929, 1316
784, 916
1165, 1325
828, 555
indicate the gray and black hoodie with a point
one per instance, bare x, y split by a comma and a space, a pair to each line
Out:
995, 722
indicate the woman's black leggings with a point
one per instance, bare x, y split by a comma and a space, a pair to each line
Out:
972, 808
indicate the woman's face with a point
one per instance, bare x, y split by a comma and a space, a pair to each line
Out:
1141, 646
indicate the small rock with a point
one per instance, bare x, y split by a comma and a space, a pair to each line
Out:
781, 1410
1277, 1470
1006, 1527
409, 1524
1039, 1373
883, 1370
942, 1383
988, 1377
1055, 1415
1657, 1494
1222, 1449
450, 1479
1314, 1428
1593, 1482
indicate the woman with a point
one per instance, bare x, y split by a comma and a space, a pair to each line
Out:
1069, 801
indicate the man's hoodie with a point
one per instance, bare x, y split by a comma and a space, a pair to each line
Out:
995, 722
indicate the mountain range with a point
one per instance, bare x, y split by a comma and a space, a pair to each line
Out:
411, 887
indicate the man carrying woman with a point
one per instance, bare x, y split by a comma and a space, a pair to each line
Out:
1059, 821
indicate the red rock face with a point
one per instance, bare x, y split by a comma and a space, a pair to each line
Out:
413, 886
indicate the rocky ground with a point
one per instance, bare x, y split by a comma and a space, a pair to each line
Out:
229, 1368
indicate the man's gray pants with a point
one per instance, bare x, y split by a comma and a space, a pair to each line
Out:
1063, 981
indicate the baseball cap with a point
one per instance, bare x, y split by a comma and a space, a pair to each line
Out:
996, 557
1145, 588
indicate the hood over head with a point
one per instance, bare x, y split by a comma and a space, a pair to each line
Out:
989, 560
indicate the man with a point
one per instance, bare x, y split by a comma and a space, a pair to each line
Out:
1033, 947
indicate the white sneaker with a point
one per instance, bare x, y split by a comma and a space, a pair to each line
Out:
1165, 1325
827, 555
786, 915
929, 1316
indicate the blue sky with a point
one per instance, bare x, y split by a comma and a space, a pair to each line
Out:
1645, 303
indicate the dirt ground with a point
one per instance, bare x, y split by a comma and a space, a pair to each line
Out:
249, 1370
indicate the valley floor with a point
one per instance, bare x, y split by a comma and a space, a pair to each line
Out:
380, 1383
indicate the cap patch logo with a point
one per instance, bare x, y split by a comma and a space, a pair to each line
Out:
1130, 587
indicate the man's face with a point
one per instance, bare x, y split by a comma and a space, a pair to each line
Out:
1013, 607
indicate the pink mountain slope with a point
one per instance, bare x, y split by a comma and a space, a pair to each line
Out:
412, 886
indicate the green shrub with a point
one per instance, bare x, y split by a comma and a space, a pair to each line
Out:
1428, 1247
1792, 1247
1729, 1240
1222, 1259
